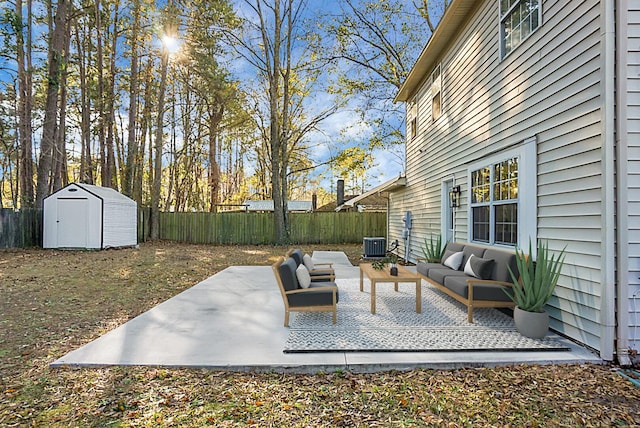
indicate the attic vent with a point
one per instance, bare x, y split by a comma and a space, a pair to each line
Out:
73, 190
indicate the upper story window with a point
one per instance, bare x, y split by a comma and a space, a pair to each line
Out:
436, 93
413, 119
518, 19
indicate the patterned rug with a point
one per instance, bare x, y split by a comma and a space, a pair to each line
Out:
396, 327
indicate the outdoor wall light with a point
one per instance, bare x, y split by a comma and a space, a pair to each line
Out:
454, 197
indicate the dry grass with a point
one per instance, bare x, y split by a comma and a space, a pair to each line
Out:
53, 302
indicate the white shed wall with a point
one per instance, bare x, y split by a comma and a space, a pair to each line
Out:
120, 227
548, 87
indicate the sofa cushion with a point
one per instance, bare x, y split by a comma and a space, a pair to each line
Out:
468, 250
479, 267
287, 272
423, 268
308, 262
302, 274
452, 260
458, 285
502, 259
297, 256
438, 275
313, 297
454, 246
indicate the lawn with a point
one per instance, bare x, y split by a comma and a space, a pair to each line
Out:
55, 301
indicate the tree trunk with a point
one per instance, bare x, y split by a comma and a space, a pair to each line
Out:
216, 111
47, 145
110, 177
25, 98
86, 167
100, 108
132, 145
157, 170
60, 177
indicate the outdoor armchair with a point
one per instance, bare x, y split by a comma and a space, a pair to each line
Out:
318, 271
318, 297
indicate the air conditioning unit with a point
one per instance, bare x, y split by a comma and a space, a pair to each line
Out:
374, 247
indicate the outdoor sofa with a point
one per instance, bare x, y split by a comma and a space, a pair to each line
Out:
318, 296
486, 278
318, 271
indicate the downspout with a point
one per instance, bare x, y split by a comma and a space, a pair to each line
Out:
608, 256
622, 201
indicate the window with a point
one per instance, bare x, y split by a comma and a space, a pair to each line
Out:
494, 203
413, 120
503, 196
436, 93
518, 19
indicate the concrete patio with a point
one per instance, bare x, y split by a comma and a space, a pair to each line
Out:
234, 321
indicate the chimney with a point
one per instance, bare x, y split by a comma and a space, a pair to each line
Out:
314, 202
340, 192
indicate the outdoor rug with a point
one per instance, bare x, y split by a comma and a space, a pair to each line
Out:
396, 327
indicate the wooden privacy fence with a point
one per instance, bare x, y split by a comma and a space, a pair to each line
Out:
23, 228
20, 229
258, 228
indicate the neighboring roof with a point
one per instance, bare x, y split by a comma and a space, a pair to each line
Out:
454, 16
268, 205
387, 186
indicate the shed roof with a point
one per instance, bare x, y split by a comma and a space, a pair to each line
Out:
104, 193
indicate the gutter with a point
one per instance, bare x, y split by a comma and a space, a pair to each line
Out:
608, 231
622, 185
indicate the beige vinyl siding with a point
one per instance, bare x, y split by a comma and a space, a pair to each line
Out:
633, 171
548, 87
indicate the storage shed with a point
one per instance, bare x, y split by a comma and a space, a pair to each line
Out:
86, 216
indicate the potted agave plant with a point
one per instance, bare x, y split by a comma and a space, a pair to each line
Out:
532, 290
433, 249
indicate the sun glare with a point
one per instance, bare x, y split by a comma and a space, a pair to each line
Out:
171, 43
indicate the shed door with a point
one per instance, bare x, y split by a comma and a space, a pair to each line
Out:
72, 222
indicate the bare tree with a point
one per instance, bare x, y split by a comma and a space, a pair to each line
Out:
288, 76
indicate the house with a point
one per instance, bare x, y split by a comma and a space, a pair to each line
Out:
265, 206
374, 200
523, 122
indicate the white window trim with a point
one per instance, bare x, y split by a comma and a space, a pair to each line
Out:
502, 46
527, 190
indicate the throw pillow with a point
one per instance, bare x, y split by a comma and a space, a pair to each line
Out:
478, 267
453, 261
306, 259
304, 279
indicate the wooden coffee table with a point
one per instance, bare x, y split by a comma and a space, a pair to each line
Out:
376, 276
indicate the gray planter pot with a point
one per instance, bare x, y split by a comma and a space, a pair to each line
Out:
534, 325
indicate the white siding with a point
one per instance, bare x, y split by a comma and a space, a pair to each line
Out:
632, 141
548, 87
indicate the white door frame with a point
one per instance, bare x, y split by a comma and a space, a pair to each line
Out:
448, 214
